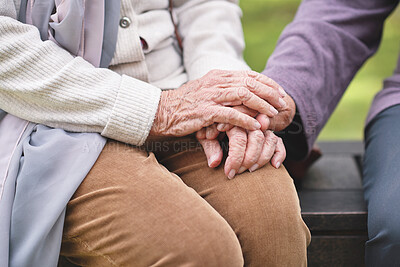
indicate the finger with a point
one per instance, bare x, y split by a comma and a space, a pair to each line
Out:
255, 142
222, 127
231, 116
267, 81
231, 96
246, 110
237, 148
280, 154
268, 150
252, 74
265, 92
212, 132
213, 151
264, 120
201, 134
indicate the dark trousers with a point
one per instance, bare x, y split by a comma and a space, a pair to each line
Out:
382, 188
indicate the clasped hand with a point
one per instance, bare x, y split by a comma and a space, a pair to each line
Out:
248, 150
244, 104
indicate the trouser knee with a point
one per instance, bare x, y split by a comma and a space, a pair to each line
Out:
268, 220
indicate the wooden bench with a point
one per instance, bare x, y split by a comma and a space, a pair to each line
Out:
333, 206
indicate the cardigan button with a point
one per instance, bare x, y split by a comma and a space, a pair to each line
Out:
125, 22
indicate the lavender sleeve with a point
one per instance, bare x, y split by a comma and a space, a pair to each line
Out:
316, 57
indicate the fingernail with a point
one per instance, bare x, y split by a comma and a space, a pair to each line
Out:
282, 102
242, 169
254, 167
273, 110
220, 127
231, 174
278, 164
258, 125
212, 159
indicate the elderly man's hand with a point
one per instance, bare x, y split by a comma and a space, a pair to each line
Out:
247, 151
210, 99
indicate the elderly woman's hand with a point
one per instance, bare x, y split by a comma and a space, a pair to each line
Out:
210, 99
248, 150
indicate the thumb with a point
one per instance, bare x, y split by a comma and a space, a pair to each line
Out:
213, 151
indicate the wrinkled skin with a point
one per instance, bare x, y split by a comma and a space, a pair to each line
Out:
244, 104
245, 151
208, 100
248, 150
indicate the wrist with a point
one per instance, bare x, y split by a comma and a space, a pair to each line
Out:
159, 124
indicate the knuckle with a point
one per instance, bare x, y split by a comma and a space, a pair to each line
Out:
271, 139
268, 133
243, 94
218, 94
258, 88
195, 84
252, 74
269, 93
209, 116
269, 80
212, 81
249, 82
258, 136
273, 83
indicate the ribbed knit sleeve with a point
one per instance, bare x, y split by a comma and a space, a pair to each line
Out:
43, 83
212, 36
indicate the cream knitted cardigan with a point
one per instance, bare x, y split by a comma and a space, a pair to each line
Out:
43, 83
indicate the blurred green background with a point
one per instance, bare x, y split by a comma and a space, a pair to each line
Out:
264, 20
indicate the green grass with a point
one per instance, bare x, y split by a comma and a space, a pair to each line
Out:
264, 20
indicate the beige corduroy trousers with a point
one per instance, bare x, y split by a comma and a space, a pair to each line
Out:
161, 205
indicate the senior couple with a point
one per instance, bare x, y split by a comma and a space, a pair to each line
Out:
132, 132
